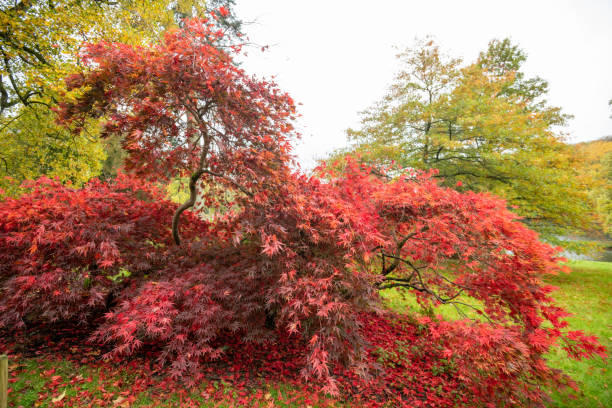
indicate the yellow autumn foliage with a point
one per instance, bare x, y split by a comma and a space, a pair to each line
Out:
39, 45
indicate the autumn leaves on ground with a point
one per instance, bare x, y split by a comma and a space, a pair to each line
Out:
36, 380
159, 246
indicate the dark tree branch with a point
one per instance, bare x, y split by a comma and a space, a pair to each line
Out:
390, 282
5, 164
397, 259
193, 180
467, 173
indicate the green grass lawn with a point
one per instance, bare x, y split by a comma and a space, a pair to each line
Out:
586, 292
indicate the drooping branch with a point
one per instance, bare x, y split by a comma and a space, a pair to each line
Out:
390, 282
396, 259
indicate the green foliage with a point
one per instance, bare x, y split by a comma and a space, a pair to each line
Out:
485, 127
32, 144
121, 275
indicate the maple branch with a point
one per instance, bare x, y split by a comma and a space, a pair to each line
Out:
405, 283
390, 282
387, 270
469, 173
14, 118
4, 98
193, 180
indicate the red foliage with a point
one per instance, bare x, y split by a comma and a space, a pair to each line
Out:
288, 255
63, 249
223, 11
182, 102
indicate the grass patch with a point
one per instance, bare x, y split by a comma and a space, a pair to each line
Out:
587, 293
42, 382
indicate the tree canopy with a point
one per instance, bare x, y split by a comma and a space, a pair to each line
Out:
185, 109
39, 46
485, 127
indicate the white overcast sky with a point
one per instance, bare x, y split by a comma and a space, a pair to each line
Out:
337, 57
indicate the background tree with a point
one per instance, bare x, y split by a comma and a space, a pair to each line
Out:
39, 44
483, 125
597, 165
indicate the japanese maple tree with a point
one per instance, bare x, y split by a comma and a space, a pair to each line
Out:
292, 260
185, 108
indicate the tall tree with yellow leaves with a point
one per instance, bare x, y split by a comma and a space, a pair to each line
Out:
485, 127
